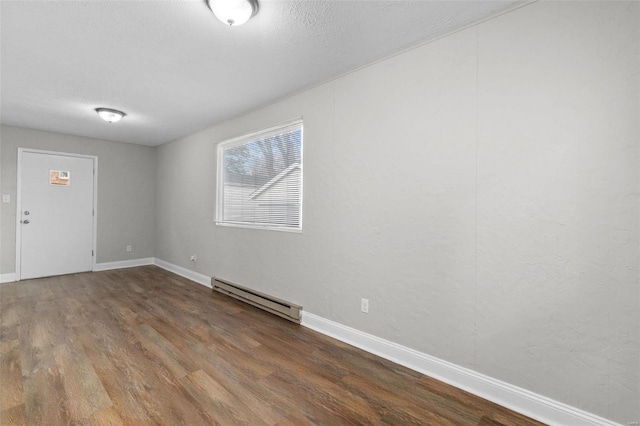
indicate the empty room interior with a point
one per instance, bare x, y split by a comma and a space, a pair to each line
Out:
284, 212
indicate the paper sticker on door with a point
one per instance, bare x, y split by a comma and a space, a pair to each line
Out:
59, 178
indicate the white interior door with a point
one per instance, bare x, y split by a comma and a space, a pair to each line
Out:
56, 214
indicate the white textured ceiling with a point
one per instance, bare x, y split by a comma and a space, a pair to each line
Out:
175, 69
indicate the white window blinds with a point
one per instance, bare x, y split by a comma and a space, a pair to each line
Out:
260, 179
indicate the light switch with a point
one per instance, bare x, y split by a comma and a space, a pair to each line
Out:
6, 198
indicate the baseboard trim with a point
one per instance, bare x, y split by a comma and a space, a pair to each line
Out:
7, 278
179, 270
107, 266
517, 399
184, 272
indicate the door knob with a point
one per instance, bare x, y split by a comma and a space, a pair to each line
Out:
26, 212
26, 222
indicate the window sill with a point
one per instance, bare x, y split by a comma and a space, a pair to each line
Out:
265, 227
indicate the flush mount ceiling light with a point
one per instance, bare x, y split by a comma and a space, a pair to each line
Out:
110, 115
233, 12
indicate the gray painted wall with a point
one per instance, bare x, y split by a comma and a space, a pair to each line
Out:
126, 192
481, 191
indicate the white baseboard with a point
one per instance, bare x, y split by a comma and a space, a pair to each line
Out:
517, 399
179, 270
7, 278
184, 272
106, 266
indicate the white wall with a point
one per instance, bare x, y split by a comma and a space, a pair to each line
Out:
126, 192
481, 191
558, 138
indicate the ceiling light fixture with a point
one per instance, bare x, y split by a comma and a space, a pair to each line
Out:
233, 12
110, 115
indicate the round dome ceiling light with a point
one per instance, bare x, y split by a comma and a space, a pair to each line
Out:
233, 12
110, 115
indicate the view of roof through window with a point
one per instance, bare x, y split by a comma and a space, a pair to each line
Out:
262, 179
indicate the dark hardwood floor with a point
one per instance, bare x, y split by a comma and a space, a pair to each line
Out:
143, 346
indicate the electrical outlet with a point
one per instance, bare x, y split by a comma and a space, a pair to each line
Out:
6, 198
364, 305
128, 248
194, 257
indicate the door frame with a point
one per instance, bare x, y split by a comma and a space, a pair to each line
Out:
94, 237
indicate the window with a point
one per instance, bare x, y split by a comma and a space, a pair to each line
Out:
260, 179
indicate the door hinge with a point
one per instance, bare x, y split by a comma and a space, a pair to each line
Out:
93, 212
91, 253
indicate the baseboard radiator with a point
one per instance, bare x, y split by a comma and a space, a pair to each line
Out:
263, 301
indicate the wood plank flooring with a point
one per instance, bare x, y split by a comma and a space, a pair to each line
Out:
143, 346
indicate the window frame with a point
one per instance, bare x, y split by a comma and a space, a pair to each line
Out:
245, 139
